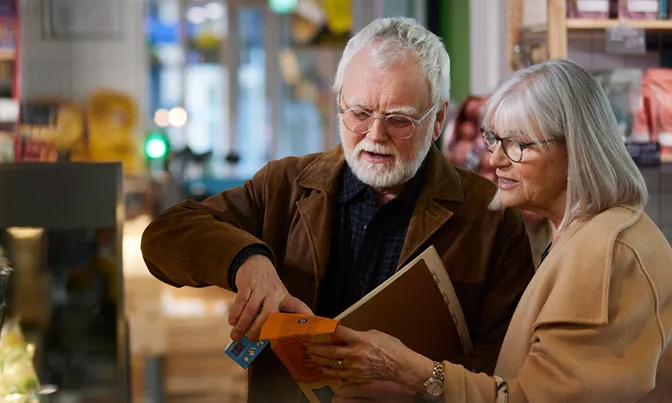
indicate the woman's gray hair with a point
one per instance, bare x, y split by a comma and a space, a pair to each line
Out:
560, 100
397, 36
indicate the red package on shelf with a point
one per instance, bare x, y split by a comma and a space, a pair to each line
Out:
589, 9
35, 151
638, 9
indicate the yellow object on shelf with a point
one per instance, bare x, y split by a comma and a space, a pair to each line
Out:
65, 126
112, 118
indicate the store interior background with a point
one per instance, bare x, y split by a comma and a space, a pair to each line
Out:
194, 96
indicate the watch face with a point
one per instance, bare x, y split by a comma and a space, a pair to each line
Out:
434, 388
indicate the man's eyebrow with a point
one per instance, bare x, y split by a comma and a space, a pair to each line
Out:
405, 110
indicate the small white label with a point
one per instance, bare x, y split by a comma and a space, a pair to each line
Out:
643, 6
665, 139
592, 6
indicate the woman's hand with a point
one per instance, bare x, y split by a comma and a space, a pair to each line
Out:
372, 355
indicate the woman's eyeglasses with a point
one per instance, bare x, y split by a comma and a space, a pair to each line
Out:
513, 149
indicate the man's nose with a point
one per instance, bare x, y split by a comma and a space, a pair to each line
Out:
498, 158
377, 130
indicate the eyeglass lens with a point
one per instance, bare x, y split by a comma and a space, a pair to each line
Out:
395, 125
512, 149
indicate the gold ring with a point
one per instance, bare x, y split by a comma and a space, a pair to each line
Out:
339, 363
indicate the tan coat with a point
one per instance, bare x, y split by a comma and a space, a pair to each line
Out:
595, 323
288, 205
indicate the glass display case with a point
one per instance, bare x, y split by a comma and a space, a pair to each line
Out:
61, 228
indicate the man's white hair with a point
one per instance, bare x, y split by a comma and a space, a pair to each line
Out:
560, 100
395, 38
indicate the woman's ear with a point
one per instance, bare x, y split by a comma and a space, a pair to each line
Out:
440, 120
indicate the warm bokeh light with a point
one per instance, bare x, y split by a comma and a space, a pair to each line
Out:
161, 118
177, 117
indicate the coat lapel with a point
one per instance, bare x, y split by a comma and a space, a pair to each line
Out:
441, 184
321, 177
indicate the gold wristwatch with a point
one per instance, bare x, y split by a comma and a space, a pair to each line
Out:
434, 385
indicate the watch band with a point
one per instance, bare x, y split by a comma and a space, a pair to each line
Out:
437, 376
502, 390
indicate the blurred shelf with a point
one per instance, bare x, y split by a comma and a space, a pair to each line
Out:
580, 24
588, 24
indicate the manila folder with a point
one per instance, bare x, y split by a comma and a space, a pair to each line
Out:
417, 305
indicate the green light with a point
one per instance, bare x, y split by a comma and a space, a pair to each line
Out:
156, 145
156, 148
282, 6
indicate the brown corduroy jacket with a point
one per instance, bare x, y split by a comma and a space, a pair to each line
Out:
288, 206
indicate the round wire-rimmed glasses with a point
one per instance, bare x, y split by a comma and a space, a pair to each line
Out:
513, 149
399, 126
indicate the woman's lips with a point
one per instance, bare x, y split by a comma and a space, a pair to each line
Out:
505, 183
377, 158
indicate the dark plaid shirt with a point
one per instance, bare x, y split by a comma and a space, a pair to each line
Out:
366, 241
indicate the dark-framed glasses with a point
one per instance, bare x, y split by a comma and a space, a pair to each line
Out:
513, 149
399, 126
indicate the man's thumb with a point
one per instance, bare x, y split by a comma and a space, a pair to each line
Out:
294, 305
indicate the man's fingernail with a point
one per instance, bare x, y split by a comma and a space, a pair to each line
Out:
304, 347
306, 356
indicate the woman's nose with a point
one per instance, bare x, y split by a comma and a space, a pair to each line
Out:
498, 158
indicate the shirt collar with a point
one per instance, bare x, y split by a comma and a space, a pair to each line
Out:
351, 186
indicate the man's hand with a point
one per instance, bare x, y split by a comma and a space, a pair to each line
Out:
261, 292
378, 391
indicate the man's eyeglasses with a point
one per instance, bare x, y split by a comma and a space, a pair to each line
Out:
359, 121
513, 149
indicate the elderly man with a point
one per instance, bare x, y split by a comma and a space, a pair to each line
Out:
317, 233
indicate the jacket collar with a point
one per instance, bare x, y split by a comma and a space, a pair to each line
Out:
583, 252
441, 181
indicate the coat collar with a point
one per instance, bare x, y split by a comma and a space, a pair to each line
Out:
441, 183
580, 266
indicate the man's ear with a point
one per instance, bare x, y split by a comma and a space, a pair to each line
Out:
440, 120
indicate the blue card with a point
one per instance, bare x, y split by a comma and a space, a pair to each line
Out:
245, 350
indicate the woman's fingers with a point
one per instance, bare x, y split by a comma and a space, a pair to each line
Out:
344, 374
346, 334
329, 350
324, 361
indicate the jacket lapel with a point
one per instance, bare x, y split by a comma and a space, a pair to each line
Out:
441, 184
316, 211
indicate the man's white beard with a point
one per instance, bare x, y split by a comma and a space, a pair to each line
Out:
388, 174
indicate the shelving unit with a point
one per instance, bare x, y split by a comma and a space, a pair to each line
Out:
558, 26
585, 24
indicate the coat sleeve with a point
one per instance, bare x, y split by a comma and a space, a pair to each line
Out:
194, 244
511, 269
582, 362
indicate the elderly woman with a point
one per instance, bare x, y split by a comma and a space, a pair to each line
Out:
595, 323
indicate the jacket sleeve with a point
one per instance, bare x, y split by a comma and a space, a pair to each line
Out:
194, 244
583, 362
511, 269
